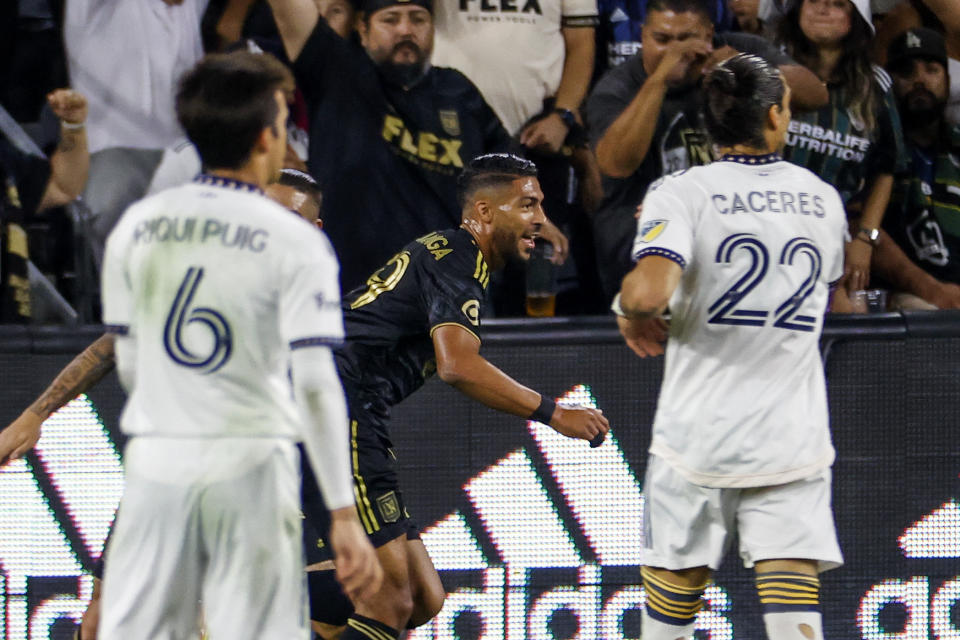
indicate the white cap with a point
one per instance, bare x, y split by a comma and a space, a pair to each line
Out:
863, 8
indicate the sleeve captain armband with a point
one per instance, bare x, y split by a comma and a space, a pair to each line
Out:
544, 412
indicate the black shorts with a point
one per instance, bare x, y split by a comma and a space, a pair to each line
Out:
376, 491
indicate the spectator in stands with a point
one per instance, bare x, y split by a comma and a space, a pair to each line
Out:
533, 64
520, 58
942, 16
126, 57
388, 132
854, 142
644, 121
920, 258
32, 184
621, 23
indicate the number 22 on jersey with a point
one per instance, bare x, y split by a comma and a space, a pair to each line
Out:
728, 308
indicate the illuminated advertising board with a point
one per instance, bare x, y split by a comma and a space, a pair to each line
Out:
537, 536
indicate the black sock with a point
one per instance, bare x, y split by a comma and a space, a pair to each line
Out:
361, 628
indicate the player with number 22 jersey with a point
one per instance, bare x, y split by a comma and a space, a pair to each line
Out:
759, 240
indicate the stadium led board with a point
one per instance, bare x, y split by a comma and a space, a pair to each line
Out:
536, 536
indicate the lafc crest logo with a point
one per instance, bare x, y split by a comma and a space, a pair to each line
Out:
650, 230
389, 507
471, 309
450, 121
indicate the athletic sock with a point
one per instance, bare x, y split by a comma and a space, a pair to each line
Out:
654, 629
791, 605
362, 628
796, 625
671, 609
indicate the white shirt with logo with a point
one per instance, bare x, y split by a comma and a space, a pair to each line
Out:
512, 50
743, 401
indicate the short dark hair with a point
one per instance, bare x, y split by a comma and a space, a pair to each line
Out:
301, 182
738, 94
492, 169
682, 6
226, 100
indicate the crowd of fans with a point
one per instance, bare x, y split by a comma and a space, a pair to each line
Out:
393, 97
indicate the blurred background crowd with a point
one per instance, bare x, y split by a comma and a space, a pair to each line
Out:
392, 97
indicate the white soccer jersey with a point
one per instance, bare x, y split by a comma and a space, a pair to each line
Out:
216, 284
743, 401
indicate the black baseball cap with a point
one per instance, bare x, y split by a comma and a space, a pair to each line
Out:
372, 6
917, 43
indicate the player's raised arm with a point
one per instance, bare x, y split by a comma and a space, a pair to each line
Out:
295, 20
460, 365
83, 372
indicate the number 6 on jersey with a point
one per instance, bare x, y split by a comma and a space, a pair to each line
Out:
182, 315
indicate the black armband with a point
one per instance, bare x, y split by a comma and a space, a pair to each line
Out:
545, 411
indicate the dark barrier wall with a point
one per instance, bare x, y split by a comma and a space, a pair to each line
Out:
537, 536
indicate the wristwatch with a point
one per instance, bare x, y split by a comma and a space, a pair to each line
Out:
567, 116
871, 236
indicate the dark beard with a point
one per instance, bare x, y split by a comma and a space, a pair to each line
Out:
407, 73
919, 108
402, 75
505, 246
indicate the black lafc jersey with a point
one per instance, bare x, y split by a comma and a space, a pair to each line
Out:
435, 280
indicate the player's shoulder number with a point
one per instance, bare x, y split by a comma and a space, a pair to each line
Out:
384, 279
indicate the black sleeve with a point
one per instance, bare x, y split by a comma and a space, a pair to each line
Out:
325, 58
451, 291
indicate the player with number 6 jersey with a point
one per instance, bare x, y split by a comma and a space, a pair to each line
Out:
214, 252
224, 309
744, 252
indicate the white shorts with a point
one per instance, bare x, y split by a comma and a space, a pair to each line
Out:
229, 539
687, 525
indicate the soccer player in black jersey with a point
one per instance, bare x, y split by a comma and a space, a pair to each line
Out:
418, 314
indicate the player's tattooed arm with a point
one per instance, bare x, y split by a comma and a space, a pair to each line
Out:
80, 375
83, 372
